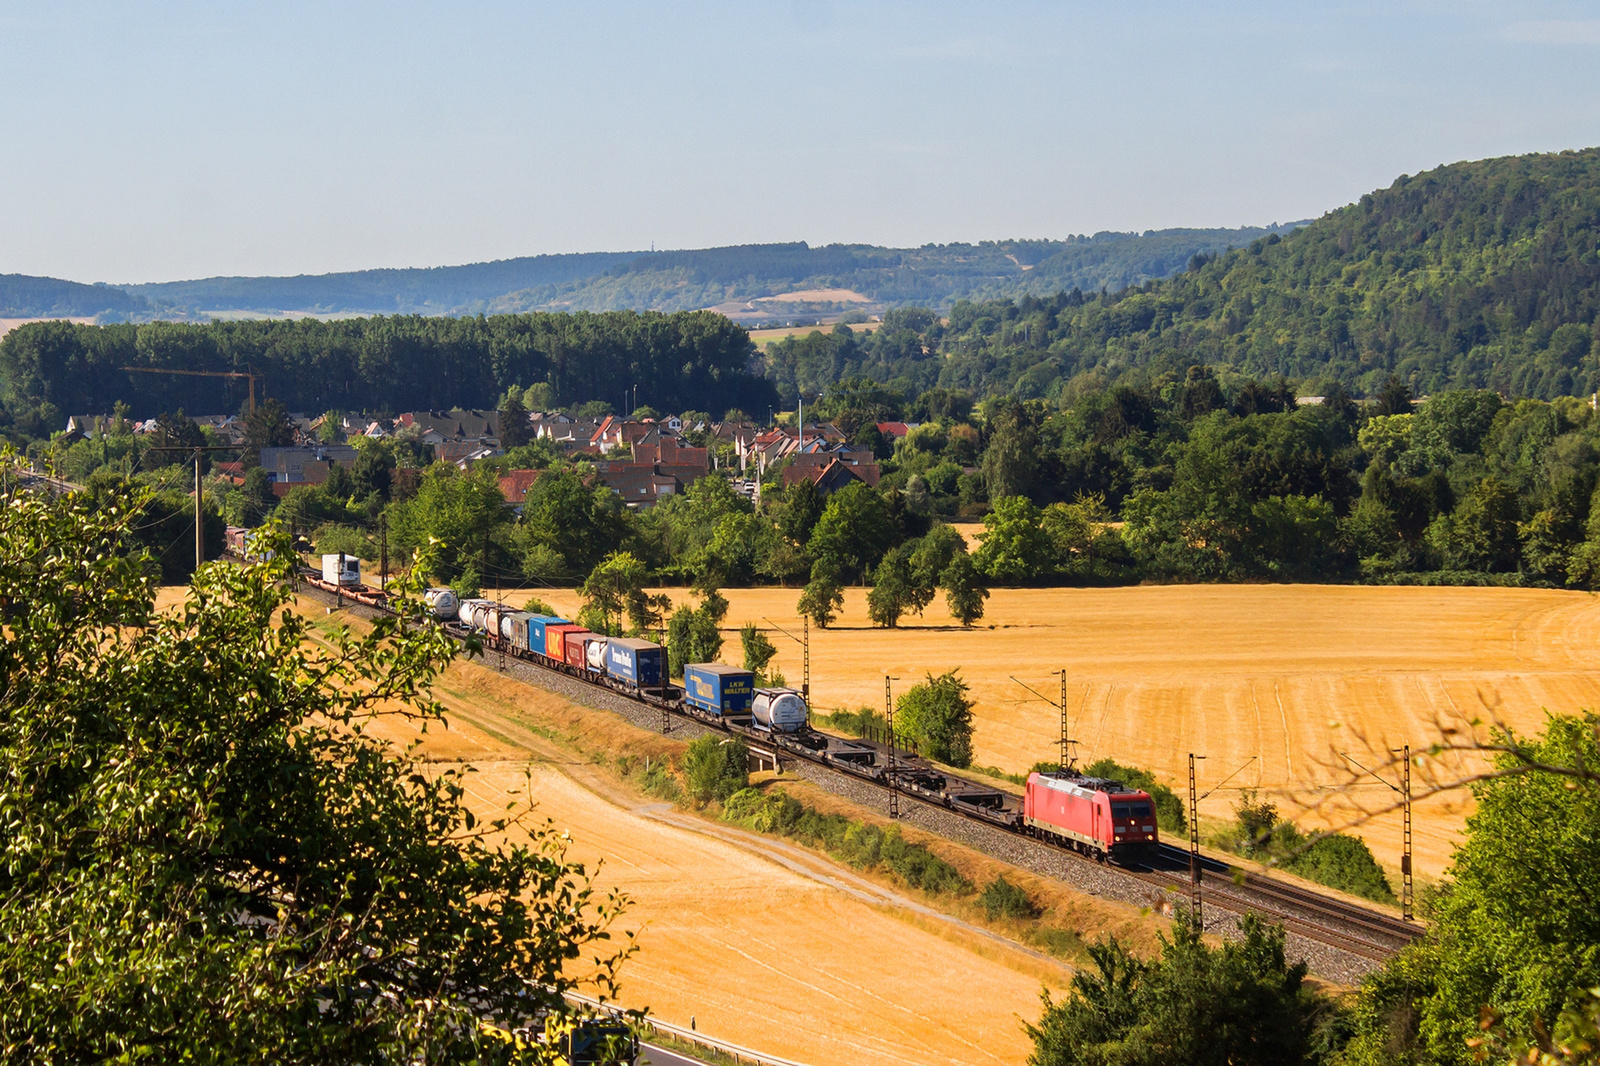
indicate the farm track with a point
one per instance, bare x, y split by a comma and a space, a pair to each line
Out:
1339, 940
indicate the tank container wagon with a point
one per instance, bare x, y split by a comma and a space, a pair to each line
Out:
778, 710
1093, 815
443, 602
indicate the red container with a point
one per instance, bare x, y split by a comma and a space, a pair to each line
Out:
577, 648
555, 640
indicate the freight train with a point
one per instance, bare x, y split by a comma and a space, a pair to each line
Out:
1097, 817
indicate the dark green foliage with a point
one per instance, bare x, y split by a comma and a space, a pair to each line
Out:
758, 650
462, 514
1515, 928
1169, 807
693, 633
862, 846
1342, 862
1481, 274
1002, 899
716, 767
399, 362
1237, 1005
822, 598
207, 858
936, 716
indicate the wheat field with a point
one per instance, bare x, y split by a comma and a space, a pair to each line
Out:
1292, 675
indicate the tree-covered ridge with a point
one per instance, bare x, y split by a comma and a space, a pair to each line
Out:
657, 281
935, 274
1475, 275
22, 296
690, 360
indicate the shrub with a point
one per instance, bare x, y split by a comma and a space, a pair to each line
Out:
1344, 863
1002, 899
716, 767
1169, 807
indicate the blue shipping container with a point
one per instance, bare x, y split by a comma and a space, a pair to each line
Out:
536, 624
717, 688
640, 663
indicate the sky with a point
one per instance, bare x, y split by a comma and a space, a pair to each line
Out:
158, 140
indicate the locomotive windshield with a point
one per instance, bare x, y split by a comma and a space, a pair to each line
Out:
1130, 810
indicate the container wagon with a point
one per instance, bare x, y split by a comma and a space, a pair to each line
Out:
341, 570
443, 602
555, 643
1095, 815
636, 664
537, 624
723, 691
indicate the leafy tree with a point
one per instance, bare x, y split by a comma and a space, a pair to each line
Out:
614, 590
1015, 547
1393, 399
937, 715
1238, 1005
208, 858
716, 767
372, 473
802, 508
964, 589
893, 589
694, 633
566, 519
462, 514
1515, 929
853, 532
173, 433
1010, 459
758, 650
256, 498
1482, 532
823, 598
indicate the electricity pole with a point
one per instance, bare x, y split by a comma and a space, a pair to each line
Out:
1404, 790
199, 513
1194, 850
1066, 735
888, 710
805, 650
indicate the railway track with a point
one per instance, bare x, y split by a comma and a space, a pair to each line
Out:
1334, 922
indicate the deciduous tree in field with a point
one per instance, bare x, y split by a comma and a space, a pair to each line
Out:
208, 859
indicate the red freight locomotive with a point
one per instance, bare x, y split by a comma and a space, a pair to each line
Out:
1093, 815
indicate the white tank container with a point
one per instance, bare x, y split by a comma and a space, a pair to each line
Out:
475, 613
595, 653
443, 602
778, 709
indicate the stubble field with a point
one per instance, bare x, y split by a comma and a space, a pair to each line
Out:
1292, 675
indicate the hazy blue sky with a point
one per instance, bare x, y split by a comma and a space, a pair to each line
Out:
160, 140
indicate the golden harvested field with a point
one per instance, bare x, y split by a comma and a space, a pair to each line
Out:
1290, 674
764, 944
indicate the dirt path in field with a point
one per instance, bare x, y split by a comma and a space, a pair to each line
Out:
1297, 676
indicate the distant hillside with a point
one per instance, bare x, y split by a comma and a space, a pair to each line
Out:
427, 291
1483, 274
22, 296
741, 281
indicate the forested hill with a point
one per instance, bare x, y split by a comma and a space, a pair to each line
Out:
738, 278
1483, 274
22, 296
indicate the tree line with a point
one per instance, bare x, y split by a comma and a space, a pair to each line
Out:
50, 370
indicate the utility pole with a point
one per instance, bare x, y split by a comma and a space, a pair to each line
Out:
1404, 789
805, 650
199, 519
1066, 734
383, 551
1405, 840
888, 711
1194, 850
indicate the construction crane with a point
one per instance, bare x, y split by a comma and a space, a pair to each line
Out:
252, 376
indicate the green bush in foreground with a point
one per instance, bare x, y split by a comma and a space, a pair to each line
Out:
1002, 899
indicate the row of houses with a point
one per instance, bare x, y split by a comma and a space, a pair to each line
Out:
643, 460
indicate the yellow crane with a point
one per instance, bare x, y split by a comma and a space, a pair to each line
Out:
251, 375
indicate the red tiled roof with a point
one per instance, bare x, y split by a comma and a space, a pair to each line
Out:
515, 485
